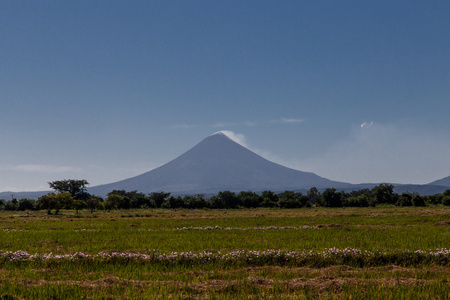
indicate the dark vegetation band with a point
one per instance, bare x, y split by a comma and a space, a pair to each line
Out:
71, 194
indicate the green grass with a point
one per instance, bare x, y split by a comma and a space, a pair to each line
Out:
397, 274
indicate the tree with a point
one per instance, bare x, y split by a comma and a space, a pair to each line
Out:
138, 200
25, 204
249, 199
384, 194
353, 200
269, 199
159, 198
225, 199
435, 199
11, 205
93, 203
56, 201
79, 204
113, 201
331, 198
290, 199
195, 202
77, 188
313, 195
418, 200
405, 199
173, 202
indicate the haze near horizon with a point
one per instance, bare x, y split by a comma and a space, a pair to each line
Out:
355, 91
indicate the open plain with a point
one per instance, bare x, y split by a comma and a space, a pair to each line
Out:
310, 253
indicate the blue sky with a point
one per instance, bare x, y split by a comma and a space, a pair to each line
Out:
356, 91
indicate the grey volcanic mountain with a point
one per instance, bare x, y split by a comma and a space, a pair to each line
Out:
443, 182
216, 164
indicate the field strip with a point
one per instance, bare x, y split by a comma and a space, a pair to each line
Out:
323, 282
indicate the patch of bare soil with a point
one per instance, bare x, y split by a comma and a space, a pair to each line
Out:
328, 225
323, 281
443, 223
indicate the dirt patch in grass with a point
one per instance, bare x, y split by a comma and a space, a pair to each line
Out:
252, 281
322, 283
443, 223
328, 225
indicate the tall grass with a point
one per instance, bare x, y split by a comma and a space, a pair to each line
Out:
372, 253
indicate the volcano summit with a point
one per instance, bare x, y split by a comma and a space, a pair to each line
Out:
216, 164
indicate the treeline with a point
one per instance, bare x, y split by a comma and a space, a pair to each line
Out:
71, 194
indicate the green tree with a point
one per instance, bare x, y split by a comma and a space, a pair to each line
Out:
124, 202
11, 205
405, 199
227, 199
158, 198
435, 199
93, 203
56, 201
195, 202
113, 201
77, 188
173, 202
331, 198
362, 200
290, 199
249, 199
269, 199
26, 204
313, 195
78, 205
384, 194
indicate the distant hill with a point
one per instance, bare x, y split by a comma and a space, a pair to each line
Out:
422, 189
22, 195
443, 182
216, 164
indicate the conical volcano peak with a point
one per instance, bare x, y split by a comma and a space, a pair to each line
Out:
220, 133
223, 133
219, 162
230, 135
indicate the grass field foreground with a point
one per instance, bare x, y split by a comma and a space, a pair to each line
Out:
367, 253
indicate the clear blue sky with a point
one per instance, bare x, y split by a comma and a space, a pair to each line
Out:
356, 91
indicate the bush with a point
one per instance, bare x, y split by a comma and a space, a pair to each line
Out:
418, 200
446, 200
405, 199
290, 199
357, 201
26, 204
435, 199
11, 205
331, 198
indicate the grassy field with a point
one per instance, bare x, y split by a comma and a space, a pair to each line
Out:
316, 253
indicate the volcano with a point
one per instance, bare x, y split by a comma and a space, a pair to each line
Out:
217, 164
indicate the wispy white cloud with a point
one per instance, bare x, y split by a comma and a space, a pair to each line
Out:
242, 140
237, 137
366, 124
40, 168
